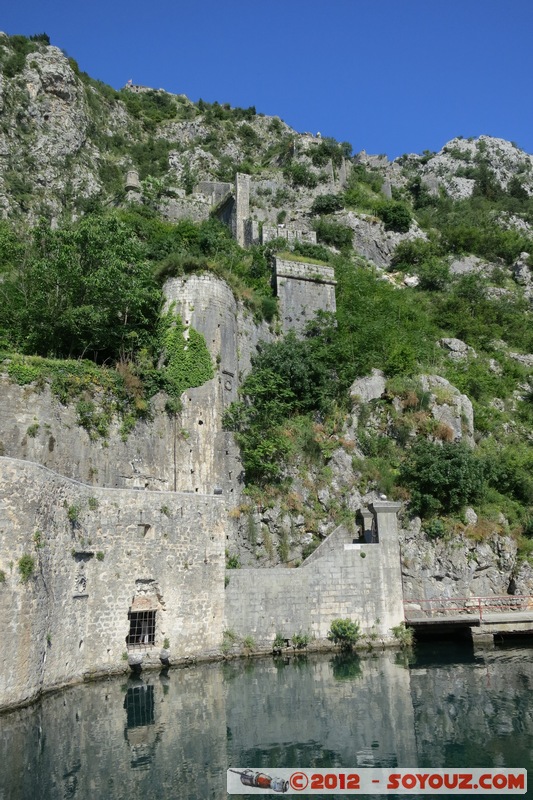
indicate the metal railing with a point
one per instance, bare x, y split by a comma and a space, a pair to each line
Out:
439, 607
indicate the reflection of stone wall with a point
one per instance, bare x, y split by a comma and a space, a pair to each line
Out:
341, 579
86, 742
358, 711
174, 735
94, 550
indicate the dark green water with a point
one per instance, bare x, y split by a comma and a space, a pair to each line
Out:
173, 736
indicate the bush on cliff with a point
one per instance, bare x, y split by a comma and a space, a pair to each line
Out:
441, 478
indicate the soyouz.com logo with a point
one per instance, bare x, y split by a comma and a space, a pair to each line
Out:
355, 782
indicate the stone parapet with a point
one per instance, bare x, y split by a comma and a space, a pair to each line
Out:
304, 271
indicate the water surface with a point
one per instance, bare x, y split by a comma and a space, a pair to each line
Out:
173, 735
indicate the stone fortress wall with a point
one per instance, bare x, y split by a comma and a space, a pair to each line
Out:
231, 202
102, 559
188, 453
303, 289
98, 555
191, 452
270, 232
147, 539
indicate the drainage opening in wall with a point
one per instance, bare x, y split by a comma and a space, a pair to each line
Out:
142, 629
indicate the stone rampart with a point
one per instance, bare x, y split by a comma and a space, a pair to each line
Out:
242, 207
209, 457
81, 564
303, 289
359, 581
189, 452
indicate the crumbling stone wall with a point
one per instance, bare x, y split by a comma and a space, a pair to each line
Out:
270, 232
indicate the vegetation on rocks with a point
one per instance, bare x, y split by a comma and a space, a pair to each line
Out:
81, 275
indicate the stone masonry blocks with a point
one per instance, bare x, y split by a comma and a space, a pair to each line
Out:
361, 582
93, 551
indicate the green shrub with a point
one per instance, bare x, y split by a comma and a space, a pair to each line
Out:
434, 274
232, 561
412, 253
279, 641
344, 632
315, 251
327, 204
404, 635
362, 174
93, 420
301, 175
329, 150
269, 308
150, 107
187, 361
300, 640
33, 430
333, 233
289, 377
510, 470
395, 215
21, 46
441, 478
26, 566
435, 528
401, 360
229, 639
43, 38
73, 514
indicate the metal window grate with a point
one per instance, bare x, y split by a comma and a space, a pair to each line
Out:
142, 629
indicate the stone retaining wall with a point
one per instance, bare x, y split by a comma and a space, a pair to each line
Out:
359, 581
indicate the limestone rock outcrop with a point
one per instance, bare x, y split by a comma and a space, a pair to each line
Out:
450, 407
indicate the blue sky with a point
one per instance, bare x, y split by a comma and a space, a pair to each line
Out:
389, 76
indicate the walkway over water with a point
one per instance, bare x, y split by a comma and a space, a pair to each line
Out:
506, 614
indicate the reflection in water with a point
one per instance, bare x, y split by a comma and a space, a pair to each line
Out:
174, 735
346, 667
139, 704
140, 731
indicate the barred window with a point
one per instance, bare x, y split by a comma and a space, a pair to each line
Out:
142, 629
